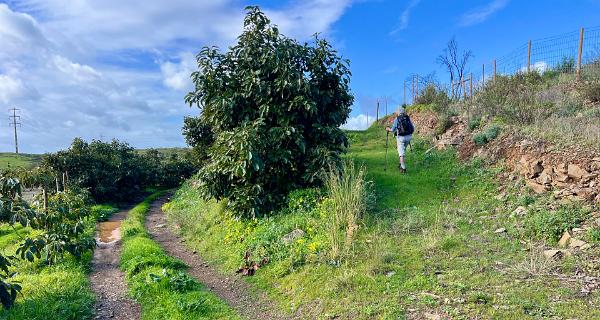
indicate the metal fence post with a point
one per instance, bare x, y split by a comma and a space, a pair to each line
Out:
579, 55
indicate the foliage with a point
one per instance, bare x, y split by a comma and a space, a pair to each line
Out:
486, 136
594, 234
274, 107
551, 225
114, 171
434, 95
199, 135
474, 123
444, 123
102, 212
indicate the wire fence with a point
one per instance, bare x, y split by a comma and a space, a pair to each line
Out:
575, 54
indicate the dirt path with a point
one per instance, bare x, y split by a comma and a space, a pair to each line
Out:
107, 280
235, 291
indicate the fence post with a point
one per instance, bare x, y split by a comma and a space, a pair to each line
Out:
452, 94
579, 55
494, 70
529, 57
404, 92
377, 112
483, 75
464, 88
471, 86
412, 96
417, 85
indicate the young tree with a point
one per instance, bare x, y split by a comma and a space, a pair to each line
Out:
274, 108
454, 61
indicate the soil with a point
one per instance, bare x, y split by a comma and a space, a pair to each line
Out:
249, 303
108, 282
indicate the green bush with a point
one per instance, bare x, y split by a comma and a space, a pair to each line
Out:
474, 123
594, 235
444, 123
480, 139
486, 136
274, 108
550, 225
591, 91
434, 96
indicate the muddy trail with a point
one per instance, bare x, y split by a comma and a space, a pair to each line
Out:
249, 303
108, 282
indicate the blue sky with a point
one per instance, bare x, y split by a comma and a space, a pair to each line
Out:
111, 68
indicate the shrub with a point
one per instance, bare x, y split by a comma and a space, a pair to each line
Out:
550, 225
474, 123
274, 107
480, 139
444, 123
434, 96
486, 136
594, 234
591, 91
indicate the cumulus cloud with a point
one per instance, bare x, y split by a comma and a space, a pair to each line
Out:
481, 14
539, 66
405, 17
358, 122
119, 68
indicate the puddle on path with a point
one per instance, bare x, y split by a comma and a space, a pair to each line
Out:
109, 231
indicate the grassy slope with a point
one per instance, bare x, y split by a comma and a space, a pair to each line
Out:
428, 245
158, 282
21, 160
61, 291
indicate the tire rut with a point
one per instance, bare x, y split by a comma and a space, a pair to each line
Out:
108, 281
247, 301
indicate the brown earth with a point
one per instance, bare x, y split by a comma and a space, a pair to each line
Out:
249, 303
107, 280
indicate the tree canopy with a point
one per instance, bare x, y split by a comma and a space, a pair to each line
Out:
271, 115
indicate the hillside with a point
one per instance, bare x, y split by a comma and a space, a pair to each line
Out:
21, 160
446, 240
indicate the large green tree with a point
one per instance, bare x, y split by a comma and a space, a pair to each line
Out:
271, 110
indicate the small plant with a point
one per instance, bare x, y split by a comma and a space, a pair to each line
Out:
594, 235
474, 123
550, 225
488, 135
444, 123
591, 91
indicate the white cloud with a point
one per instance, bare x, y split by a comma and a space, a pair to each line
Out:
358, 122
9, 88
540, 66
405, 17
117, 68
483, 13
177, 75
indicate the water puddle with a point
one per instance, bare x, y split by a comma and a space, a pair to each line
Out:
109, 231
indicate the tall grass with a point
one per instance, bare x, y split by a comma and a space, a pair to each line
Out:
347, 191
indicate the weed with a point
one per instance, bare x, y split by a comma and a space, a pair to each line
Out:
591, 91
594, 235
444, 123
474, 123
550, 225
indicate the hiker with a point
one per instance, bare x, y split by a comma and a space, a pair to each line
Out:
403, 129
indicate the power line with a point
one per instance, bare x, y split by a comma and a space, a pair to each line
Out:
15, 122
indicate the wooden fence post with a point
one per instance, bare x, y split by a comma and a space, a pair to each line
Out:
464, 88
579, 55
452, 93
483, 75
413, 90
529, 57
471, 86
377, 112
494, 70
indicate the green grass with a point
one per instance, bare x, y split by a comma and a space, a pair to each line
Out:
426, 245
21, 160
159, 282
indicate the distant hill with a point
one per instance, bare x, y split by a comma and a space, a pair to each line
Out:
19, 160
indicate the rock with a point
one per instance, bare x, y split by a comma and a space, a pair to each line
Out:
535, 168
162, 225
536, 187
544, 178
562, 168
585, 193
557, 254
561, 177
576, 172
564, 240
293, 236
500, 230
575, 243
501, 196
520, 211
596, 159
390, 273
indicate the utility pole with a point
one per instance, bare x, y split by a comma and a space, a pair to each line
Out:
15, 122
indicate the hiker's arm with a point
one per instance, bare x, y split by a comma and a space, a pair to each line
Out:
394, 126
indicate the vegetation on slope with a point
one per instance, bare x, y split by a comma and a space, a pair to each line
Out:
159, 282
434, 241
11, 160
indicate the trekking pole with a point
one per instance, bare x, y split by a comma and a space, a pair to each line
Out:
387, 135
410, 145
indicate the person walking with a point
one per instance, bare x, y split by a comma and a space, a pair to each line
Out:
403, 129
